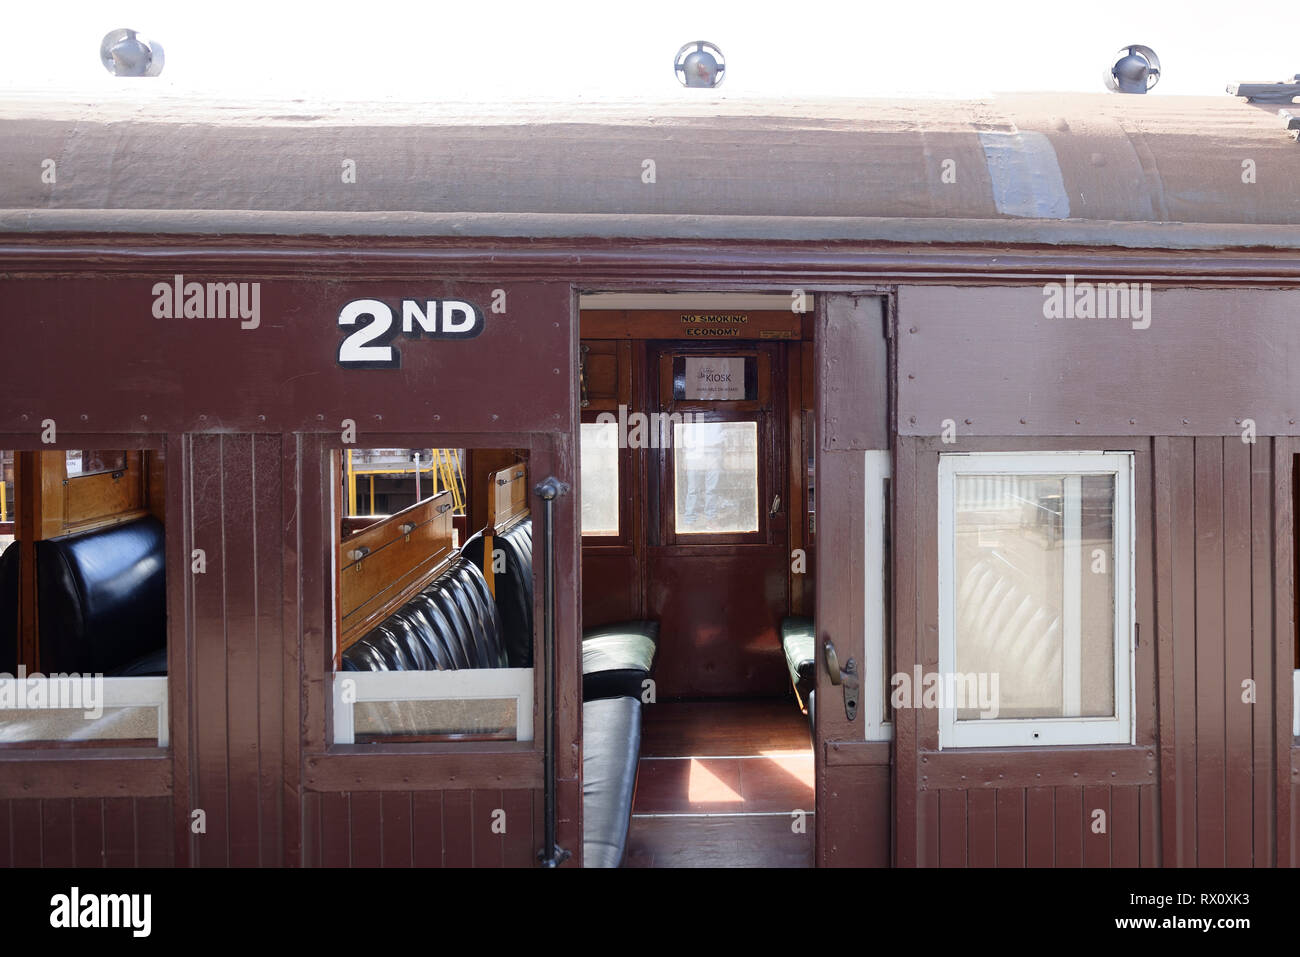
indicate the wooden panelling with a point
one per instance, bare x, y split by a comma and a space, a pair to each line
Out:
381, 567
86, 832
1042, 826
610, 587
949, 339
719, 617
1213, 597
235, 515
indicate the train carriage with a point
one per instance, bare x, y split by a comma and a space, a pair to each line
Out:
835, 483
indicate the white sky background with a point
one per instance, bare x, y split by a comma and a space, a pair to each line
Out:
598, 49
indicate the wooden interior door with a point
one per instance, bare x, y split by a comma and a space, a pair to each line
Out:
717, 570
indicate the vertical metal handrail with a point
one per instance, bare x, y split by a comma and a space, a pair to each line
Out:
549, 490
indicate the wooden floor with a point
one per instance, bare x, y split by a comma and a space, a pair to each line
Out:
723, 784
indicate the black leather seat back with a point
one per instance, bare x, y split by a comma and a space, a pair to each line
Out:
513, 583
9, 610
102, 598
451, 624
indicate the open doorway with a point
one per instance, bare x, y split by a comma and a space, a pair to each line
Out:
697, 484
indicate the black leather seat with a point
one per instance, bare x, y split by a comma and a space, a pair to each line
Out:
102, 601
611, 745
9, 610
451, 624
616, 658
513, 583
799, 642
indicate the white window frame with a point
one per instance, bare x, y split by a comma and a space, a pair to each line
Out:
1038, 732
117, 694
875, 692
351, 687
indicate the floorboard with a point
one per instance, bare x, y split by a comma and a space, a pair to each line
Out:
723, 784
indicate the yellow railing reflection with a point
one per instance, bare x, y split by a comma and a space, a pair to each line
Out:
444, 469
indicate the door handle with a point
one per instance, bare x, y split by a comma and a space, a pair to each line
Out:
832, 663
846, 677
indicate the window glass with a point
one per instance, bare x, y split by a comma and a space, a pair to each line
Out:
600, 499
6, 499
1035, 604
716, 477
94, 461
430, 641
98, 624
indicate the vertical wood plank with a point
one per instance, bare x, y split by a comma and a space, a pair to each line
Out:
178, 545
211, 743
1210, 759
426, 828
27, 832
1161, 631
982, 827
518, 850
367, 828
153, 831
1284, 647
397, 838
1125, 826
240, 562
458, 828
1263, 794
927, 806
6, 836
1069, 826
1237, 666
904, 603
294, 568
488, 844
335, 830
56, 832
1181, 785
308, 854
1011, 827
1148, 829
269, 533
1096, 844
119, 832
1040, 835
952, 829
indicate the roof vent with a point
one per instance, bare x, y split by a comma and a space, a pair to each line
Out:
703, 66
1283, 91
1135, 69
127, 53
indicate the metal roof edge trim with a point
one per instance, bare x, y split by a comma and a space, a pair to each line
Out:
562, 226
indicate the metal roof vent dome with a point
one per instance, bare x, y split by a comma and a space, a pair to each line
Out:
1136, 69
702, 67
127, 53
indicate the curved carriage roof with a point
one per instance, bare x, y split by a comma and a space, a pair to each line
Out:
1176, 172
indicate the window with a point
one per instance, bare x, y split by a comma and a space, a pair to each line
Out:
83, 610
716, 477
1035, 600
600, 492
433, 630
